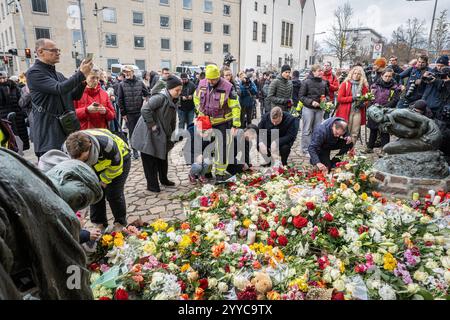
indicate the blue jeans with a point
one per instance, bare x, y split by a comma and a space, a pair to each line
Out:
185, 118
199, 169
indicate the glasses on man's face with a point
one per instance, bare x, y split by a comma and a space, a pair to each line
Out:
54, 50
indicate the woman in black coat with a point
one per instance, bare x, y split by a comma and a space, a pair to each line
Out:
9, 102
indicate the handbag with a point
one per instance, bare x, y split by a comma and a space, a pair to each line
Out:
69, 122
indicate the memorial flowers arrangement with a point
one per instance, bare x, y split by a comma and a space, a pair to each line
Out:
285, 234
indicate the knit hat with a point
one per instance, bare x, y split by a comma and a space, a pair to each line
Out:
443, 60
173, 82
420, 105
3, 74
203, 123
51, 159
285, 68
380, 63
184, 76
212, 72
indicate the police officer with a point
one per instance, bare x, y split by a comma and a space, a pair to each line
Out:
109, 156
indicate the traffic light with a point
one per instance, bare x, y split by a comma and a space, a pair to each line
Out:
12, 52
28, 53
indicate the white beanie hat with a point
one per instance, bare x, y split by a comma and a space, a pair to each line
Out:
51, 159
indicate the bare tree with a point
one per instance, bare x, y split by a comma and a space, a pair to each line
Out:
339, 42
415, 36
441, 37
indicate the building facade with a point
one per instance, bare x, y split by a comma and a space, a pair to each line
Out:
277, 32
149, 33
365, 42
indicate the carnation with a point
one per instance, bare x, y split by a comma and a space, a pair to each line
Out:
300, 222
282, 241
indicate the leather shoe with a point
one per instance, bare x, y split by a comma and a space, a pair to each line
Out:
168, 183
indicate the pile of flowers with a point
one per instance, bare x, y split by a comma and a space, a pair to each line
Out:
285, 234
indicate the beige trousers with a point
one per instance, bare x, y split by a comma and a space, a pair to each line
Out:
354, 125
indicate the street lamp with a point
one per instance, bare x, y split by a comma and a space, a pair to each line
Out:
432, 20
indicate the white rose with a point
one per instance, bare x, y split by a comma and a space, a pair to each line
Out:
280, 230
327, 278
339, 285
348, 206
420, 276
445, 262
198, 228
393, 249
254, 218
413, 288
222, 286
447, 276
428, 237
431, 264
425, 219
387, 293
212, 283
440, 240
240, 282
335, 274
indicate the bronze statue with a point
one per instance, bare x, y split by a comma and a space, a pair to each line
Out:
416, 132
39, 231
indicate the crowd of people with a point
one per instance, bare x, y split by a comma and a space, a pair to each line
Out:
85, 117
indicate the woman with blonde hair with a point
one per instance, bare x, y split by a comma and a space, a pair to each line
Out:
351, 108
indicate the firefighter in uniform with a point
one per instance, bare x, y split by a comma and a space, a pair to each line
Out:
110, 158
216, 98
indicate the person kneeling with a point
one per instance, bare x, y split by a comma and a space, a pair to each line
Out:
241, 145
332, 134
110, 158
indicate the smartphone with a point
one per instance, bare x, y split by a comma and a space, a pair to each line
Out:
89, 57
95, 104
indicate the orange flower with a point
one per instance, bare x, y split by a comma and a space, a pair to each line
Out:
257, 265
195, 237
195, 253
214, 197
137, 268
184, 296
363, 177
199, 293
218, 249
376, 194
185, 226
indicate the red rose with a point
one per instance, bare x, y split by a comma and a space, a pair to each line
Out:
273, 206
338, 296
204, 201
270, 242
263, 225
182, 285
121, 294
276, 219
310, 206
283, 221
363, 229
104, 298
94, 266
333, 232
300, 222
203, 283
227, 268
328, 217
273, 234
282, 241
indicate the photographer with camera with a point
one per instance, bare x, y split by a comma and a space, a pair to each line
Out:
416, 86
437, 91
247, 98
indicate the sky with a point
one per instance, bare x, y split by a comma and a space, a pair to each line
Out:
383, 16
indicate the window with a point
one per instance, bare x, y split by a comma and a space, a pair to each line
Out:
208, 27
11, 35
289, 2
164, 2
188, 46
208, 47
165, 44
287, 34
41, 33
138, 18
307, 42
186, 63
258, 61
139, 42
109, 15
208, 6
164, 21
226, 10
187, 4
39, 6
140, 64
264, 33
187, 24
110, 62
256, 6
111, 39
166, 64
280, 62
255, 30
226, 29
265, 9
3, 11
226, 48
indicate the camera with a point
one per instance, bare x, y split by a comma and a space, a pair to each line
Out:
411, 89
429, 77
228, 59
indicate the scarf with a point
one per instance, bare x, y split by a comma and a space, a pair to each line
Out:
356, 90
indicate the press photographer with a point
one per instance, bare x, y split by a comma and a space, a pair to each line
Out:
248, 97
437, 90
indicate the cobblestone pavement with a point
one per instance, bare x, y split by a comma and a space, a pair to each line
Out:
149, 206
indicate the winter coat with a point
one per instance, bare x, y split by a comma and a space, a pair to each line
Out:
296, 85
9, 102
312, 89
437, 95
288, 129
345, 100
414, 74
280, 93
94, 120
159, 86
387, 95
333, 83
193, 148
154, 77
188, 90
248, 94
51, 94
131, 95
161, 111
323, 139
25, 100
265, 93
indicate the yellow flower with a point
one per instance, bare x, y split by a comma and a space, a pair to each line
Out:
343, 186
247, 223
185, 242
159, 225
149, 247
273, 295
356, 187
185, 267
119, 235
342, 267
106, 240
171, 229
364, 196
300, 283
390, 263
143, 235
118, 242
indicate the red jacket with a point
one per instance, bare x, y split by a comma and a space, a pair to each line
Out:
333, 81
345, 99
94, 120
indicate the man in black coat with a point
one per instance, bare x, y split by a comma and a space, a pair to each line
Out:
187, 106
277, 131
332, 134
52, 95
